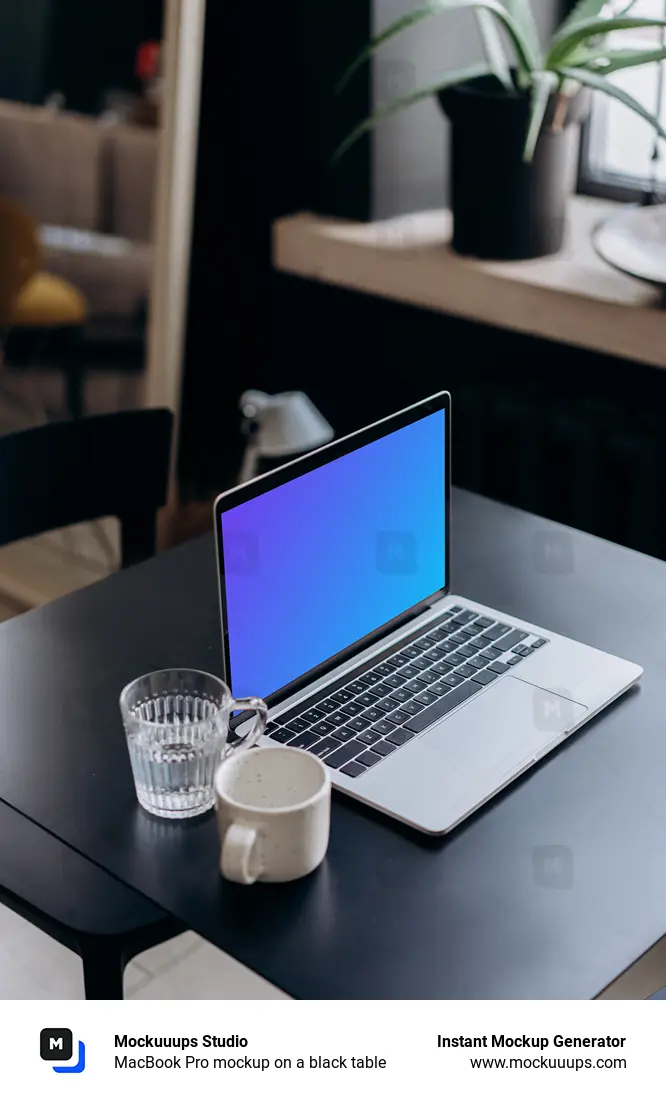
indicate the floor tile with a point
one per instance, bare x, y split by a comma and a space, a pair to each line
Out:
207, 974
35, 967
165, 955
644, 978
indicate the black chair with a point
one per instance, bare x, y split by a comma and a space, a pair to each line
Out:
75, 471
54, 476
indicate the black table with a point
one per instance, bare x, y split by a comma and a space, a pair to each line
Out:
76, 903
550, 892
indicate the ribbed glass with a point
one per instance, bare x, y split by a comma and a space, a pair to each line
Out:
176, 723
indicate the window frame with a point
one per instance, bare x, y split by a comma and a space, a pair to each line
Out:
603, 185
606, 185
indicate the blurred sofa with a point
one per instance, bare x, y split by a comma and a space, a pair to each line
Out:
90, 186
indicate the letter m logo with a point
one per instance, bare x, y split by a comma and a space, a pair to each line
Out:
56, 1044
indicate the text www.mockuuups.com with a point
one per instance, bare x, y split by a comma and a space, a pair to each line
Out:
542, 1061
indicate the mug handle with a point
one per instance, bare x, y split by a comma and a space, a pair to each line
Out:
236, 862
259, 726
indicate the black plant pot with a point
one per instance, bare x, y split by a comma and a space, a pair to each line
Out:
504, 208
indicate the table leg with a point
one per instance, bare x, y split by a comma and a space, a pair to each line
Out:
103, 968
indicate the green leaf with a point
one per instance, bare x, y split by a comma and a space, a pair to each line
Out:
525, 58
494, 48
612, 60
602, 84
521, 12
584, 10
564, 42
388, 109
543, 85
590, 9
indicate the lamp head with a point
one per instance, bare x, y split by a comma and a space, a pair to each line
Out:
284, 424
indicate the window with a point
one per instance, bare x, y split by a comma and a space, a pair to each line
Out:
618, 147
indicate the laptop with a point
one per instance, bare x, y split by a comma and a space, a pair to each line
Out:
335, 603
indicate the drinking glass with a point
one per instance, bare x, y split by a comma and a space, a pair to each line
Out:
177, 726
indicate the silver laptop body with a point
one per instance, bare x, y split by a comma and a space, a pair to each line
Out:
495, 693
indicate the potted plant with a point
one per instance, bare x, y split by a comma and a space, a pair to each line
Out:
515, 117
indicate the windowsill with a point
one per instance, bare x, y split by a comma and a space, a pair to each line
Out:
572, 298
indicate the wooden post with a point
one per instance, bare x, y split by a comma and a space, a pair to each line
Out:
183, 53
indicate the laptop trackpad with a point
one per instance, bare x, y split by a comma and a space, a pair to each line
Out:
501, 729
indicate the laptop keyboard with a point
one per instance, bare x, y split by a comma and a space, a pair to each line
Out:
355, 723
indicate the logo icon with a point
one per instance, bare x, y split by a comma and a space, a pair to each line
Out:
553, 866
394, 77
396, 552
553, 552
56, 1044
241, 553
553, 711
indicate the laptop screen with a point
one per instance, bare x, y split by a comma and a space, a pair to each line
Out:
314, 565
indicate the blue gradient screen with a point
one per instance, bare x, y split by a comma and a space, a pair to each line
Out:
318, 563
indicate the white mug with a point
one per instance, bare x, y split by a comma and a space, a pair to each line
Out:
273, 812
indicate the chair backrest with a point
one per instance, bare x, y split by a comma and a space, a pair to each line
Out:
74, 471
20, 253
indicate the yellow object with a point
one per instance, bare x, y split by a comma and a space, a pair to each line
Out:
20, 257
48, 301
30, 297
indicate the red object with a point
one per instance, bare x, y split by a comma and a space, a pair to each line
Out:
147, 61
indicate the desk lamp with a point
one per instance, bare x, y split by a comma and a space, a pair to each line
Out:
279, 427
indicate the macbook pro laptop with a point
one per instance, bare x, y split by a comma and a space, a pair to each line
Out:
335, 602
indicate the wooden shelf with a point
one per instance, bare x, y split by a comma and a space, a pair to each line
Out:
573, 298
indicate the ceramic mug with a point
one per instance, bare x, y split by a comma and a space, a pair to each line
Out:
273, 812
